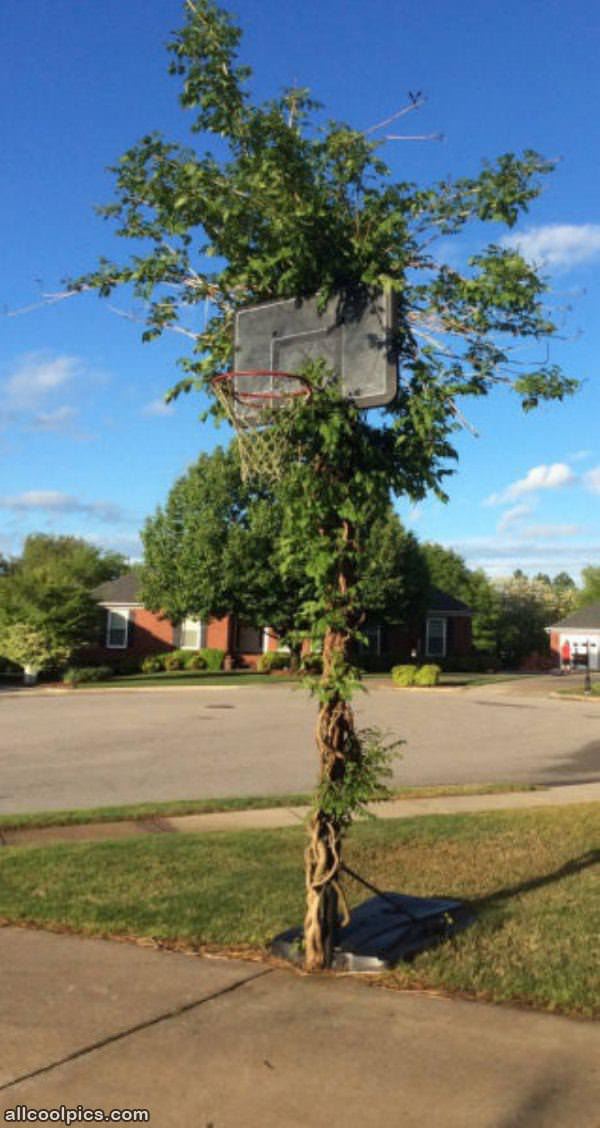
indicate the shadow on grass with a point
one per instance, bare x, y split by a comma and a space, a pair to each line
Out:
574, 866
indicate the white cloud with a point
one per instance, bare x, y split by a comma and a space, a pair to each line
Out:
53, 501
58, 420
543, 532
591, 480
580, 455
513, 517
36, 375
500, 557
127, 543
538, 478
560, 245
158, 407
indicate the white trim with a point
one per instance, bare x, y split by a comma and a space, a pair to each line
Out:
437, 619
115, 603
125, 612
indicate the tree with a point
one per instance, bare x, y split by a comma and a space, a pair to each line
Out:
71, 559
527, 607
46, 610
448, 570
289, 209
217, 547
590, 588
214, 549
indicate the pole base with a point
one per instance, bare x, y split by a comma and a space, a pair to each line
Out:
384, 931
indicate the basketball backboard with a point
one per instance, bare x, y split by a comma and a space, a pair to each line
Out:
353, 340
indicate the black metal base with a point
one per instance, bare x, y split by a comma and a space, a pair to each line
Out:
384, 930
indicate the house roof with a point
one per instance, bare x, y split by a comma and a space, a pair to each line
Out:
440, 601
587, 618
125, 589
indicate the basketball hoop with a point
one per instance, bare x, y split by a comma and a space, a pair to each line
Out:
249, 400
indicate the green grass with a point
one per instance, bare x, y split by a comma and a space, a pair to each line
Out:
250, 677
532, 877
175, 807
188, 677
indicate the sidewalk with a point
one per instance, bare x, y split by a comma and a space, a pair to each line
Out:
206, 1042
277, 817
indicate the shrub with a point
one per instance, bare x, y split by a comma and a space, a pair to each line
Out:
78, 675
196, 662
152, 664
128, 665
273, 660
404, 675
172, 661
213, 658
427, 675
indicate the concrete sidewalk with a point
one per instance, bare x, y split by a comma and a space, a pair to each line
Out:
277, 817
202, 1042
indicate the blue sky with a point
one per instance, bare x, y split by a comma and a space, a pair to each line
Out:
86, 445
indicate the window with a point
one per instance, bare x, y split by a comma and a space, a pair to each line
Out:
249, 639
116, 630
191, 634
435, 643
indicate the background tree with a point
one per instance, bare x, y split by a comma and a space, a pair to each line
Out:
47, 611
289, 208
217, 547
590, 586
214, 550
527, 607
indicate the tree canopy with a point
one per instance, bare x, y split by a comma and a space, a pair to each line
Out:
294, 206
218, 546
47, 611
590, 588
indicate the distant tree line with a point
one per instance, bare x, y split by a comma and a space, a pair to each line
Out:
218, 546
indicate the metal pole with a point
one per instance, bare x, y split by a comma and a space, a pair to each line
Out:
587, 681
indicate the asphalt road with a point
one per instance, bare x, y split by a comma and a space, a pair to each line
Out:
87, 748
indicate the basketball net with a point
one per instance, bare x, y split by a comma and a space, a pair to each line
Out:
250, 400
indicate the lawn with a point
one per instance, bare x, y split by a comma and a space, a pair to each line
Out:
250, 677
531, 876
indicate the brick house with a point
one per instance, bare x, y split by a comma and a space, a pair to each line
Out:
445, 632
576, 638
131, 632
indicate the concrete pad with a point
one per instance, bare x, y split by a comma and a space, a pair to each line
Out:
272, 818
286, 1051
61, 993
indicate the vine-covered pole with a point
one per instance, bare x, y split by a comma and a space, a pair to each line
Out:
336, 741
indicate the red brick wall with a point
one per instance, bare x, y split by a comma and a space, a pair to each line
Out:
147, 634
555, 646
218, 633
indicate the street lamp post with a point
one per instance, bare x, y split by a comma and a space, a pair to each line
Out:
587, 681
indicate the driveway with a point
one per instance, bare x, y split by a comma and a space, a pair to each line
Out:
91, 748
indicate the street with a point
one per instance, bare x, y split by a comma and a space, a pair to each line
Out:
86, 748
